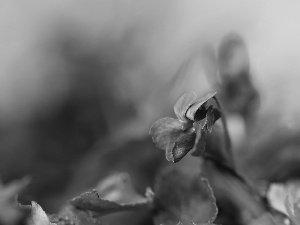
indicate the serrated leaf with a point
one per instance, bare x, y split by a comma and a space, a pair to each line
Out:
94, 206
182, 105
197, 107
38, 216
183, 197
173, 136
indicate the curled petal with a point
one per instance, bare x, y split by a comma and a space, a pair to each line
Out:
197, 110
183, 103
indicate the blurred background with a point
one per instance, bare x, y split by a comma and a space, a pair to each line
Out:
81, 82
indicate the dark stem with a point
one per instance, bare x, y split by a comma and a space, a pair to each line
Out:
226, 134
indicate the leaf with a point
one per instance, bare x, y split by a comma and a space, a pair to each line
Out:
286, 199
266, 219
183, 197
95, 206
182, 105
63, 220
118, 188
74, 217
173, 136
10, 213
229, 187
195, 111
38, 216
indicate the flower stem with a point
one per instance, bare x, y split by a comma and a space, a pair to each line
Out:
226, 133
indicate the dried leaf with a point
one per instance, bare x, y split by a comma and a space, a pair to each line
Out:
183, 197
182, 105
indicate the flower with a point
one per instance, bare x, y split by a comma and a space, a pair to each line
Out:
195, 120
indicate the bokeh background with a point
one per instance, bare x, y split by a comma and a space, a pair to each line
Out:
81, 82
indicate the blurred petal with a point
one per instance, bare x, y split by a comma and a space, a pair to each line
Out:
183, 103
233, 55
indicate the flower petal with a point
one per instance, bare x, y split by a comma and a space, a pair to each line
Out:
193, 113
165, 132
200, 142
184, 144
183, 103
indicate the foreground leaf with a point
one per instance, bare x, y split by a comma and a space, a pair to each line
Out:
286, 199
38, 216
183, 197
116, 194
267, 219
